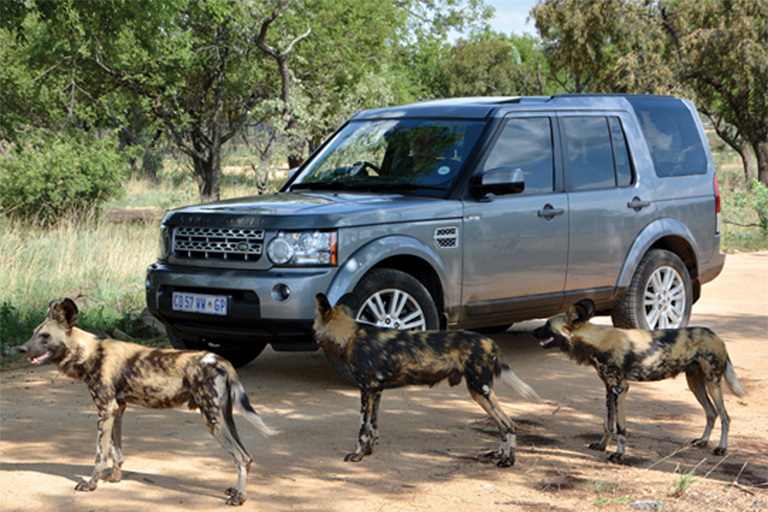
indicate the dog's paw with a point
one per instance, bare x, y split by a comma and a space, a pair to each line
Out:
113, 476
720, 450
236, 498
85, 486
506, 462
600, 447
492, 455
699, 443
616, 458
353, 457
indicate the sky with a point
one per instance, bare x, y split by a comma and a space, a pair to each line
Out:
511, 15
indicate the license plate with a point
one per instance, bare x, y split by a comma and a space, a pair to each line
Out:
199, 303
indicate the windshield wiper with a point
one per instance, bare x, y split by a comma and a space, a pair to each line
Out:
341, 185
320, 185
403, 186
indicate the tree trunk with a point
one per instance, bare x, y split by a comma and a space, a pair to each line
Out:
761, 151
208, 177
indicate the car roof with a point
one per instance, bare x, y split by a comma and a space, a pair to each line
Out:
497, 106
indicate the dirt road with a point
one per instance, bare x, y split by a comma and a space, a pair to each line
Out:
428, 457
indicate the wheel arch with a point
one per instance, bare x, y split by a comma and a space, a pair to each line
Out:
403, 253
669, 234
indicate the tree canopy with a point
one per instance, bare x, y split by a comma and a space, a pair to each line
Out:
713, 51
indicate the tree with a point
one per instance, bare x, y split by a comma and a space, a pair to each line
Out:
203, 69
493, 64
714, 51
722, 51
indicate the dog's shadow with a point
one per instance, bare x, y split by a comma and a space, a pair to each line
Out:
77, 473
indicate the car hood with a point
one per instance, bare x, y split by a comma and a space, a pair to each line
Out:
313, 210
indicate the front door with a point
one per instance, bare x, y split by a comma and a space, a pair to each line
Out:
516, 246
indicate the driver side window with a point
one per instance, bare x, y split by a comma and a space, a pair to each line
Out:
526, 144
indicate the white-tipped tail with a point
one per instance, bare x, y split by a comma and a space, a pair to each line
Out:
240, 398
511, 380
731, 380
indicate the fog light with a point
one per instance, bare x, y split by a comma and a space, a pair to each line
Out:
281, 293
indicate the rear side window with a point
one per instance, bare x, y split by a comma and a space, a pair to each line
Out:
526, 144
598, 156
673, 136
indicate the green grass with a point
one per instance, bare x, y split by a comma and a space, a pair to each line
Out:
104, 263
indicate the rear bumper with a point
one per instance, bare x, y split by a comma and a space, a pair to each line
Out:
712, 268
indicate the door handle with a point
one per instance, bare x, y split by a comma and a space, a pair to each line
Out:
637, 204
549, 211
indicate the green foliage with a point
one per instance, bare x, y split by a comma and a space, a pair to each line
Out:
47, 178
756, 198
713, 52
12, 332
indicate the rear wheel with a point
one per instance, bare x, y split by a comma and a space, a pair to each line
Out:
391, 299
237, 353
660, 294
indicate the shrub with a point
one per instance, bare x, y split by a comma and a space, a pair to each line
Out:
47, 178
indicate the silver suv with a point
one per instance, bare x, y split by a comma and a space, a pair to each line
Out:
465, 213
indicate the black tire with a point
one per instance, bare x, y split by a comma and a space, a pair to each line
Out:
391, 299
237, 353
660, 294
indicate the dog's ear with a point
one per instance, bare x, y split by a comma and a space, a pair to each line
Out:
580, 313
64, 312
324, 308
349, 300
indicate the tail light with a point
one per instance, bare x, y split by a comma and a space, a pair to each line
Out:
718, 206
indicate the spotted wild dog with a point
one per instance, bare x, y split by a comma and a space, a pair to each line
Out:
384, 359
623, 355
119, 373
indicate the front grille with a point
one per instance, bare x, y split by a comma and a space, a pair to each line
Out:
205, 243
447, 237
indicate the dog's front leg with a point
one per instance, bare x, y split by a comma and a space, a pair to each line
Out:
117, 446
365, 436
107, 415
621, 421
610, 418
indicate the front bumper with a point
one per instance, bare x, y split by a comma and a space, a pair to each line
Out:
256, 311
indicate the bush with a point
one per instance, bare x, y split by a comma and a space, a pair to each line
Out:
47, 178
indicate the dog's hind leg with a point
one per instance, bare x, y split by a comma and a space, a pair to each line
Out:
715, 389
697, 383
217, 416
117, 446
369, 398
507, 428
107, 415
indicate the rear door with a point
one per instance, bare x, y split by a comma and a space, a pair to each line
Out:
516, 246
610, 203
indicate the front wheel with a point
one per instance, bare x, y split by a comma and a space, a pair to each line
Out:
391, 299
237, 353
660, 295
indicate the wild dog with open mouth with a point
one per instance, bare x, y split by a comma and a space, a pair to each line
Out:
118, 373
384, 359
622, 355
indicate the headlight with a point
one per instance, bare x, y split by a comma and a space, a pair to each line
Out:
303, 248
165, 242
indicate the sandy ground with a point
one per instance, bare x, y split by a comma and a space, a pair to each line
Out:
428, 457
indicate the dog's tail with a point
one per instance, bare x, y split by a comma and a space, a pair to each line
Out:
511, 380
240, 399
731, 380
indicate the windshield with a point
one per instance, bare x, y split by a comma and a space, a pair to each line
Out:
416, 155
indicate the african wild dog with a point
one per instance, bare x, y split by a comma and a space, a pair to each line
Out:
622, 355
118, 373
384, 359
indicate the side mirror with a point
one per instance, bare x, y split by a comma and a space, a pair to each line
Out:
497, 181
